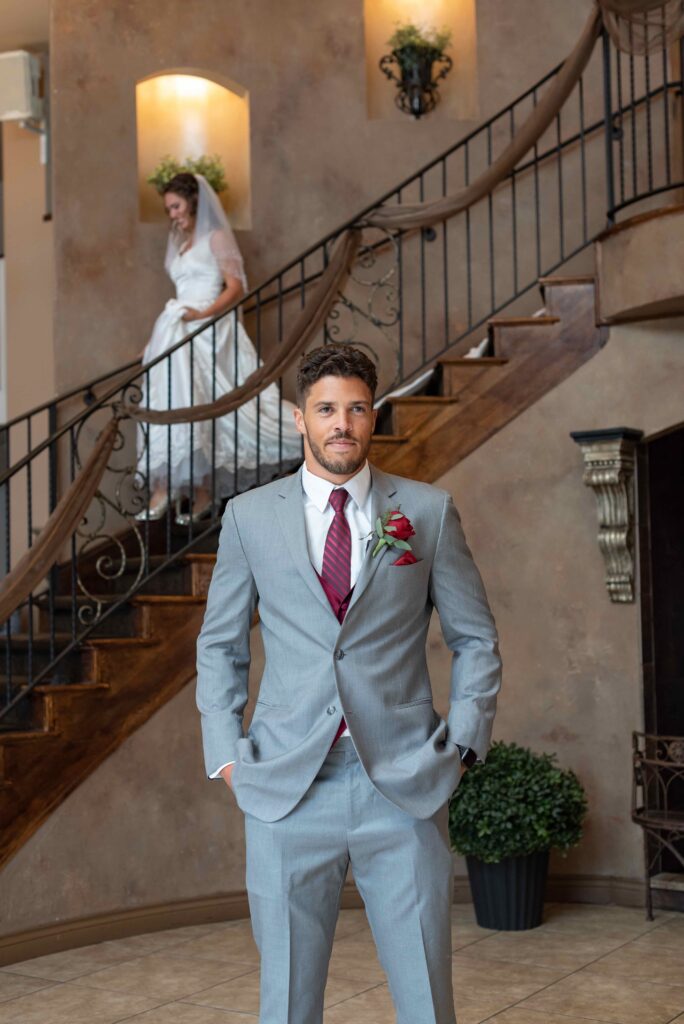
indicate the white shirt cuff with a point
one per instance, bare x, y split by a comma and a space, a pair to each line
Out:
217, 773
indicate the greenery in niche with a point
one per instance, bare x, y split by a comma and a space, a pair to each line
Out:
210, 167
516, 804
409, 38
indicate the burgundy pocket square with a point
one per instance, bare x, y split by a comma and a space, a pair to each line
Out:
408, 558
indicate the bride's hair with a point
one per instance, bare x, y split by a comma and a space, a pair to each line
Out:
184, 185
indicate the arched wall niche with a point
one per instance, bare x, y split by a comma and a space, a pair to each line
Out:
185, 112
459, 91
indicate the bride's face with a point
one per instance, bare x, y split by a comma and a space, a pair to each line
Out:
178, 211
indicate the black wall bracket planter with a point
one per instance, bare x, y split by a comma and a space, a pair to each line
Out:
420, 69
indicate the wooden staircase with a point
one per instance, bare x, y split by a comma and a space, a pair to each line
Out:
143, 654
477, 397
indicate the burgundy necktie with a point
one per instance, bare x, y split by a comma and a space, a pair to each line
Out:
336, 571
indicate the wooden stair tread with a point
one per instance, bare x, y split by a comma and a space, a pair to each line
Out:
38, 639
169, 599
21, 682
479, 361
521, 321
65, 600
422, 400
200, 557
119, 641
558, 280
70, 687
16, 736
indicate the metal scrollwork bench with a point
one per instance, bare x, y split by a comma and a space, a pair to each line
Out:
658, 805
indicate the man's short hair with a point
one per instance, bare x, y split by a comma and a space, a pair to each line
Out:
335, 360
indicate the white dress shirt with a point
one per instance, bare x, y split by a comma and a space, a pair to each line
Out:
319, 514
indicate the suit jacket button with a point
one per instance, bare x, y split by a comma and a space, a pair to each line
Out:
339, 655
332, 709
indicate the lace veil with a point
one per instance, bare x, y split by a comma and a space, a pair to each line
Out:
211, 220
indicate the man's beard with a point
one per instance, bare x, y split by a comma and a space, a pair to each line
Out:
341, 465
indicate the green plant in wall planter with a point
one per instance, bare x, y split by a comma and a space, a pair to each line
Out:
415, 52
504, 818
210, 167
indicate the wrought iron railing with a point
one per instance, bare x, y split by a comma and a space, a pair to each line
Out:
410, 296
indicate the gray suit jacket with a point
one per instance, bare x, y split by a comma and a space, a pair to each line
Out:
372, 668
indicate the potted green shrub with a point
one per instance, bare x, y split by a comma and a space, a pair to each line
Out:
211, 167
504, 818
415, 51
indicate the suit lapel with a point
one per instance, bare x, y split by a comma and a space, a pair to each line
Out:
290, 512
382, 490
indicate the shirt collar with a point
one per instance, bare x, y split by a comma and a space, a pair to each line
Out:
318, 490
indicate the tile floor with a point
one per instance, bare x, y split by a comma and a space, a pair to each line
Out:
585, 963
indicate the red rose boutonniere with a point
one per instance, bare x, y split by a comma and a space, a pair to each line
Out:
393, 530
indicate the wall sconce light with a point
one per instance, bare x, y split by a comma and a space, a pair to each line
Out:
421, 61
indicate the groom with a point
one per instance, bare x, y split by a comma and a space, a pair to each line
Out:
345, 761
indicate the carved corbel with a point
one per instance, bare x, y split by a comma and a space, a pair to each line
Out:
609, 461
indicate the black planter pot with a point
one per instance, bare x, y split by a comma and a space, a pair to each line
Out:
509, 896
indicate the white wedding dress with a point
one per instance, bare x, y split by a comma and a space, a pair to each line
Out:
241, 450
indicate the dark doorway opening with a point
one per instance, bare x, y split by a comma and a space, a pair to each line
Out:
661, 560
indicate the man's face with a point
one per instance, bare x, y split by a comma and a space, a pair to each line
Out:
337, 423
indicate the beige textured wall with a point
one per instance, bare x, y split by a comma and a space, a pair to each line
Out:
154, 830
29, 298
29, 273
316, 157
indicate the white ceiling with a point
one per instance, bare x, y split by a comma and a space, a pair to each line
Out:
23, 23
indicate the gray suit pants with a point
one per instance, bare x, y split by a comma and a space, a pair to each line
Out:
402, 866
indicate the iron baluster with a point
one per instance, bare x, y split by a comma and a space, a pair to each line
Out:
469, 261
632, 104
258, 397
423, 296
52, 504
445, 257
214, 497
583, 162
146, 432
561, 205
514, 211
236, 425
490, 216
400, 293
29, 528
608, 119
74, 559
666, 110
620, 128
279, 329
7, 551
649, 127
191, 498
537, 199
169, 405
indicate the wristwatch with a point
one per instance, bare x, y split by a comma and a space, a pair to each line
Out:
468, 756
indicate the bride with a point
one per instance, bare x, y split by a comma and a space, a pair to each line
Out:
200, 460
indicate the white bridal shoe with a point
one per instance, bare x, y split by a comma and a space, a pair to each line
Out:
152, 511
206, 512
